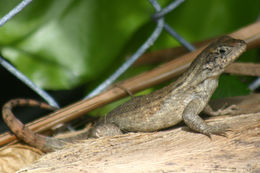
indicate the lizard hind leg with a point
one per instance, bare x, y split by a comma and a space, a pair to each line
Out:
196, 123
230, 110
41, 142
104, 129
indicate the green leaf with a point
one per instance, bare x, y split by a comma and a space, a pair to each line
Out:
230, 86
62, 44
202, 19
74, 44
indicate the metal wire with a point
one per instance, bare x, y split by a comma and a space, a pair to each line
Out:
13, 70
254, 85
28, 82
143, 48
158, 16
167, 9
179, 38
156, 33
14, 11
169, 29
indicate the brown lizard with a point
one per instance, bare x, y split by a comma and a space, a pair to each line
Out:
181, 100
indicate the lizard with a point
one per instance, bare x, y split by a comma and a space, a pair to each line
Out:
181, 100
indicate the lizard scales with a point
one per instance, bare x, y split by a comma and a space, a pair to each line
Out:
181, 100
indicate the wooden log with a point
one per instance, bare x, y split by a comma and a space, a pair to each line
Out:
172, 150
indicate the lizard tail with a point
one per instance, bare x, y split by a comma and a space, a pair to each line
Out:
41, 142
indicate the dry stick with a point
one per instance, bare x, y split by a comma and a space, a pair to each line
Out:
162, 73
248, 69
167, 54
172, 53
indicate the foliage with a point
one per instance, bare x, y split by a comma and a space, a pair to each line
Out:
62, 44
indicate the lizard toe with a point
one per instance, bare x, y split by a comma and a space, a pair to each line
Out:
220, 130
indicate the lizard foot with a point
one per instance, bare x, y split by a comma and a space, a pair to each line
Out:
101, 130
216, 130
196, 123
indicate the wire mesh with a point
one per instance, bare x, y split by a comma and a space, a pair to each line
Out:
158, 17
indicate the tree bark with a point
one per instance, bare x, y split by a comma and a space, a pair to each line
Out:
173, 150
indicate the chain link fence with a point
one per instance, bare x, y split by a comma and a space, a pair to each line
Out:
157, 17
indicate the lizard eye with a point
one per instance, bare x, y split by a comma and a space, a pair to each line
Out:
222, 51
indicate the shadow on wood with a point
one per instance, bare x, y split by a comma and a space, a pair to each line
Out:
175, 150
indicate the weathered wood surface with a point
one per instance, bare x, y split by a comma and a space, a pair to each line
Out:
175, 150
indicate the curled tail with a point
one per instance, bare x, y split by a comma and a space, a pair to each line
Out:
41, 142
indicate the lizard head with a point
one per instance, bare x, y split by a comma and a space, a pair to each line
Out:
219, 54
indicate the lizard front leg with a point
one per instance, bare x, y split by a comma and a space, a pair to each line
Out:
193, 121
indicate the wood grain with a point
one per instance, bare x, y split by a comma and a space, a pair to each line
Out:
175, 150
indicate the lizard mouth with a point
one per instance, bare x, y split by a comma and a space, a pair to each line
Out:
241, 47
